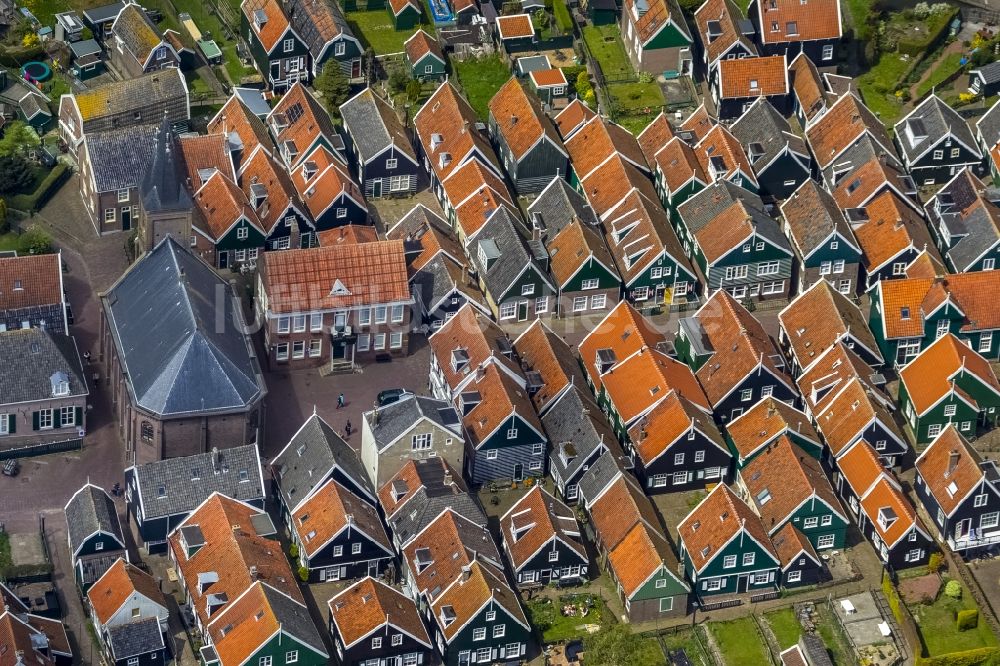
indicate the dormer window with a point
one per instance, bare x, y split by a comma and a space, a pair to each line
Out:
459, 359
447, 615
444, 160
60, 384
258, 194
886, 517
259, 19
436, 140
309, 169
423, 559
606, 360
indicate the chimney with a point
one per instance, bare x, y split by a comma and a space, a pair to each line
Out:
215, 459
952, 463
480, 372
447, 477
253, 571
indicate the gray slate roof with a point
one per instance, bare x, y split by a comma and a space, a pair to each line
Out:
120, 157
970, 212
135, 638
310, 457
600, 475
161, 187
576, 427
763, 125
938, 120
989, 125
503, 229
439, 278
703, 207
294, 618
103, 13
812, 214
397, 418
990, 72
426, 504
91, 510
199, 360
374, 126
190, 480
31, 356
558, 205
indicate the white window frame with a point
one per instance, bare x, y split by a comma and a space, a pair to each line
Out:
391, 163
794, 576
598, 301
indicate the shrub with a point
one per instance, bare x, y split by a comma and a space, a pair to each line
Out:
48, 187
953, 589
293, 551
967, 619
645, 78
34, 241
304, 574
975, 657
934, 563
398, 80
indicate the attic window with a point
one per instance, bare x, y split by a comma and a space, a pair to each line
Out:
722, 518
753, 84
654, 390
60, 383
339, 289
904, 313
763, 497
695, 526
886, 517
855, 184
17, 285
952, 489
705, 551
161, 491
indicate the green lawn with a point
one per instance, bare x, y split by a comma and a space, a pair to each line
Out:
481, 79
46, 10
605, 44
785, 627
740, 643
937, 626
209, 22
950, 64
860, 11
375, 29
649, 654
636, 96
879, 83
836, 644
685, 639
555, 627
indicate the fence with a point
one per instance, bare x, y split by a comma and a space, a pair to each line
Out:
42, 449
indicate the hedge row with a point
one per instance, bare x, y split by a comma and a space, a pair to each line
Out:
939, 25
18, 571
966, 658
18, 55
563, 18
32, 202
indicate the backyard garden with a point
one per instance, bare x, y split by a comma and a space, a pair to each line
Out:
740, 642
375, 30
480, 79
567, 617
949, 622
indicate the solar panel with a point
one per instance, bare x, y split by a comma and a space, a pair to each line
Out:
294, 113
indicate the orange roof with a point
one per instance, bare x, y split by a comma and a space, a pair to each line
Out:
430, 472
819, 317
17, 645
446, 124
931, 375
547, 78
608, 184
119, 583
972, 293
576, 244
656, 15
951, 468
699, 123
321, 180
864, 181
652, 234
501, 398
331, 509
717, 519
323, 278
797, 21
830, 372
573, 117
370, 604
429, 230
544, 352
640, 554
275, 25
232, 546
678, 164
655, 136
624, 331
421, 44
399, 5
846, 415
300, 118
349, 234
30, 281
740, 344
806, 85
861, 467
622, 506
753, 77
472, 592
892, 228
926, 265
726, 231
885, 500
768, 419
845, 121
475, 192
720, 142
203, 153
666, 422
598, 140
222, 203
261, 169
788, 543
234, 119
478, 337
534, 521
781, 478
640, 381
727, 15
519, 119
516, 26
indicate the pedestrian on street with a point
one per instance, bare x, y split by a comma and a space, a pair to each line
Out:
347, 428
340, 401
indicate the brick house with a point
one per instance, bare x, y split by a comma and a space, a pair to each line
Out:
112, 164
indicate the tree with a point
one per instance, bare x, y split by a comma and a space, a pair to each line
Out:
4, 224
614, 646
35, 241
332, 83
19, 138
414, 90
15, 174
398, 80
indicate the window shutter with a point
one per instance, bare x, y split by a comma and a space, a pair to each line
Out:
79, 417
34, 420
12, 423
56, 418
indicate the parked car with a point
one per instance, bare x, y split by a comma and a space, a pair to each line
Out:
389, 396
11, 467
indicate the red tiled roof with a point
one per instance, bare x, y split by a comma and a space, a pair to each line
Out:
884, 497
753, 77
276, 23
331, 509
655, 136
951, 468
119, 583
930, 376
544, 352
349, 234
640, 554
516, 26
200, 154
30, 281
311, 279
534, 521
421, 44
598, 140
446, 124
573, 117
718, 518
370, 604
624, 331
546, 78
762, 423
819, 317
479, 338
640, 381
974, 294
727, 15
519, 119
797, 21
892, 228
845, 121
788, 543
234, 118
330, 180
222, 203
261, 169
807, 86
